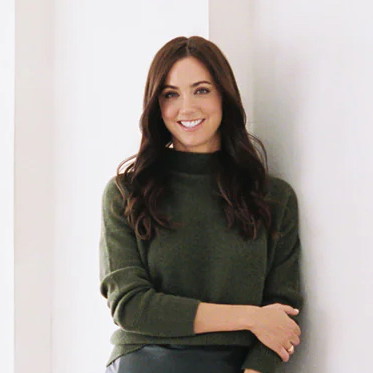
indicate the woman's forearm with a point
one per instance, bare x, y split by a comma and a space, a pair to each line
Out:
212, 317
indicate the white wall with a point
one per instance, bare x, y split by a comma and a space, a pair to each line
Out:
80, 70
312, 81
230, 28
34, 198
7, 73
102, 51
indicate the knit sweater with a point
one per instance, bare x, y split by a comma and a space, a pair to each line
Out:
153, 287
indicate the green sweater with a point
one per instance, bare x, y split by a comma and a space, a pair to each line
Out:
153, 287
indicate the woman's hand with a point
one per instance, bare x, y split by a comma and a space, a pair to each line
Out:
250, 371
275, 329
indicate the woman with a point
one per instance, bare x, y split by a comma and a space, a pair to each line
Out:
199, 250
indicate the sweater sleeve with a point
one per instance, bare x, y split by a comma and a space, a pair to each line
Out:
282, 283
124, 281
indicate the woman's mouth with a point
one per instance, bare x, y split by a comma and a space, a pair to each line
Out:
190, 125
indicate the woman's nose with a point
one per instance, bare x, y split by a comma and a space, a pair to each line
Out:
187, 105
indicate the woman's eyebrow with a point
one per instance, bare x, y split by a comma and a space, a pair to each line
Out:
192, 85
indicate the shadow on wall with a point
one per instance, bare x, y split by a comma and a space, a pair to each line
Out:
278, 75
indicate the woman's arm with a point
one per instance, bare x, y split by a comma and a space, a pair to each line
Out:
282, 284
134, 303
271, 324
211, 317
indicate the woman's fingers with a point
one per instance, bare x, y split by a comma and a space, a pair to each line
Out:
290, 310
290, 348
275, 328
296, 329
285, 307
283, 353
287, 351
295, 341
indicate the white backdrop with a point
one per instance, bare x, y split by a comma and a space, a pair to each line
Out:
81, 68
7, 75
312, 82
34, 205
102, 52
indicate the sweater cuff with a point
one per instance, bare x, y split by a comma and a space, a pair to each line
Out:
262, 359
164, 315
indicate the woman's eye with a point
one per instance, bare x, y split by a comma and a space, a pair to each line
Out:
202, 90
199, 91
169, 94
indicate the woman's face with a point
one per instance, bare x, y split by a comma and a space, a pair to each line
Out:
191, 107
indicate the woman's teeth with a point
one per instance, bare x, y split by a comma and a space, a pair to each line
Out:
191, 124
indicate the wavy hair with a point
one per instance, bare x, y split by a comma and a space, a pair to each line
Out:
242, 179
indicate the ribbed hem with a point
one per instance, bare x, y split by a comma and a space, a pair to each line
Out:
118, 351
125, 342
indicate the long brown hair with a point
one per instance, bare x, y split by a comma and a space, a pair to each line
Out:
242, 179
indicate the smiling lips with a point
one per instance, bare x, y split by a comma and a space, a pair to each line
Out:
190, 124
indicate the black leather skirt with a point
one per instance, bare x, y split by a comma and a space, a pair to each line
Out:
180, 359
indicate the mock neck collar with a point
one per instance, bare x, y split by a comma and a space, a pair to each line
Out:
191, 162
